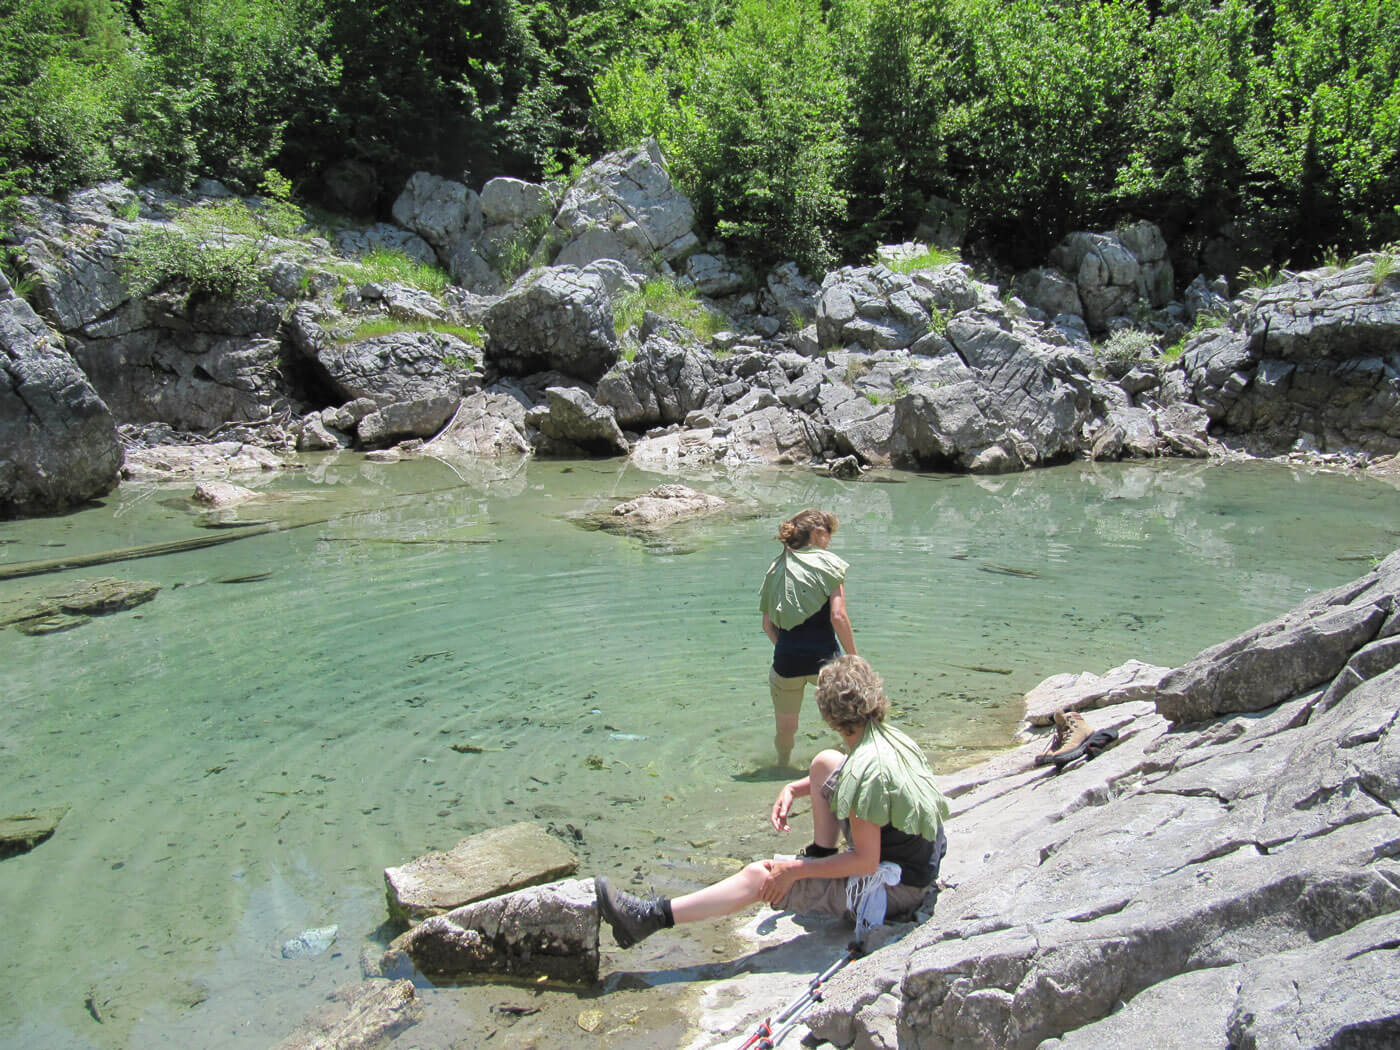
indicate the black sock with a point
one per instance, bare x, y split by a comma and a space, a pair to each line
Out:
667, 919
819, 851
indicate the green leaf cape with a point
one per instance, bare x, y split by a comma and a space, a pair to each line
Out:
798, 584
886, 780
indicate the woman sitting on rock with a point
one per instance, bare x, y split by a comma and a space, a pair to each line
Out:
803, 601
882, 795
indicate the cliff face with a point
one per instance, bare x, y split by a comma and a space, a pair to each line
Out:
1225, 875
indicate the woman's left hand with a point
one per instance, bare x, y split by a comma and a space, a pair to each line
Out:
781, 875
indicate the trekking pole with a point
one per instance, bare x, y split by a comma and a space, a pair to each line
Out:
765, 1038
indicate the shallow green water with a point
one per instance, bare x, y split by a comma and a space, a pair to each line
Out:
243, 759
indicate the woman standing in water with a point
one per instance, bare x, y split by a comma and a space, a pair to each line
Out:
803, 601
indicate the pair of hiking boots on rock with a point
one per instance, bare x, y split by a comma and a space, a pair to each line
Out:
1074, 739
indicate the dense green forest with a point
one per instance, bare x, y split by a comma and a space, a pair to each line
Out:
807, 129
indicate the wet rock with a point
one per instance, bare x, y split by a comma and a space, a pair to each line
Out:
219, 459
22, 832
571, 422
365, 1016
309, 943
543, 931
74, 607
484, 865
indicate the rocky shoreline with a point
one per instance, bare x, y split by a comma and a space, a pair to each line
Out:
911, 361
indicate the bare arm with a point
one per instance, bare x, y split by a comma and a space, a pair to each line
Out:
862, 859
788, 794
840, 622
770, 629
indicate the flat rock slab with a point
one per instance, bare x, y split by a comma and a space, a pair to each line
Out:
21, 833
489, 864
1086, 691
363, 1016
661, 506
543, 931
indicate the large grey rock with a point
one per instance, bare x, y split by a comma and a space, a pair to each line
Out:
1313, 359
58, 440
556, 317
484, 865
363, 1016
662, 384
544, 931
437, 209
1304, 649
514, 201
627, 205
1231, 882
400, 420
399, 366
486, 425
1049, 290
1114, 270
658, 507
572, 422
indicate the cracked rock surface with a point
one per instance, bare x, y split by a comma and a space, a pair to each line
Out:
1228, 878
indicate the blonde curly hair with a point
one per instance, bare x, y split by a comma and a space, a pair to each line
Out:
850, 695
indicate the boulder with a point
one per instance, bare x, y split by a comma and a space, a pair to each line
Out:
364, 1016
507, 201
662, 505
58, 439
438, 210
627, 206
484, 865
486, 425
548, 931
400, 420
219, 494
571, 421
556, 317
662, 384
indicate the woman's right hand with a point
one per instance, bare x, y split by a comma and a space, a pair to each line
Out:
782, 806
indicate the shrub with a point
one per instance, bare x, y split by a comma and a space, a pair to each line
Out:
386, 266
661, 296
1128, 347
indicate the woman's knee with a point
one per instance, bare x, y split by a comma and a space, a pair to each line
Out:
824, 763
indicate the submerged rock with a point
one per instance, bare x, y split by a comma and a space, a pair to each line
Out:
21, 833
363, 1016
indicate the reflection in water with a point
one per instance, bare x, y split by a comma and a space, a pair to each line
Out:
446, 651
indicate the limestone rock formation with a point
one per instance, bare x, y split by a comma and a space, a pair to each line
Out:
1227, 881
558, 317
58, 440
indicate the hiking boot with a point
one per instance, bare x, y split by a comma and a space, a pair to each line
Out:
631, 918
1071, 731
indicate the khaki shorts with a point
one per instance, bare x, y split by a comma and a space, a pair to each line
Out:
787, 692
828, 897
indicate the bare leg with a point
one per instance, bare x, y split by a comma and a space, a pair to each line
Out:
785, 736
725, 897
826, 829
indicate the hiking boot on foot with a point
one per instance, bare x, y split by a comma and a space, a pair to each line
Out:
1071, 731
631, 918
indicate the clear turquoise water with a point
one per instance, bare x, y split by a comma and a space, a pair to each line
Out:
243, 759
